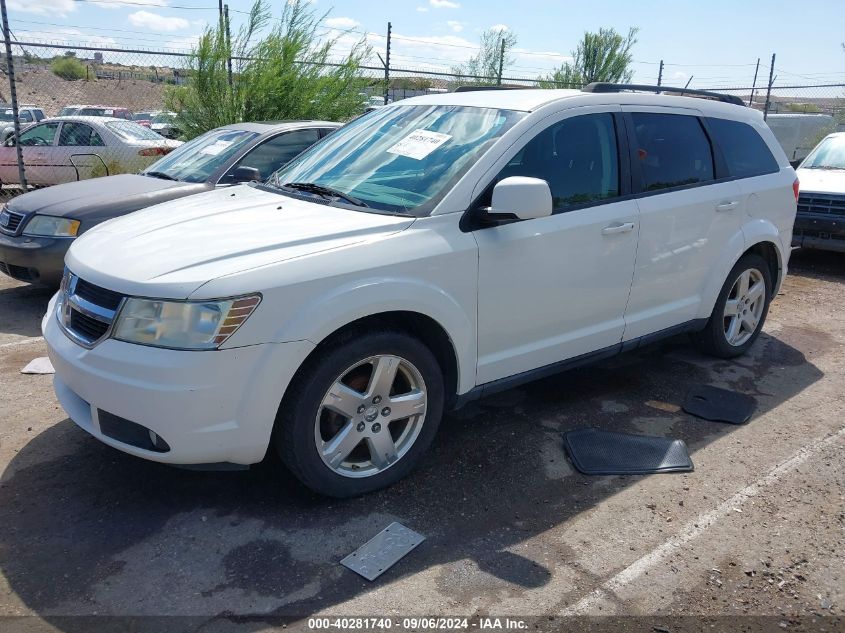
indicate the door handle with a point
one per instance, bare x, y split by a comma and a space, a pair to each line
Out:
727, 206
619, 227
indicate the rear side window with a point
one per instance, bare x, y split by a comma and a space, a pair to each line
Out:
672, 150
746, 154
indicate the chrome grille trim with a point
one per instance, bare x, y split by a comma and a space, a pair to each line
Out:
826, 204
10, 222
70, 302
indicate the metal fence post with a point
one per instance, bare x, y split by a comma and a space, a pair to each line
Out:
660, 74
501, 61
228, 43
769, 88
754, 84
387, 64
13, 93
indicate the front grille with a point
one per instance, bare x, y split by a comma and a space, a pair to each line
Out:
10, 221
87, 311
818, 234
826, 204
18, 272
99, 296
91, 329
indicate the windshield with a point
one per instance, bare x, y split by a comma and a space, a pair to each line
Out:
196, 160
68, 111
142, 116
163, 118
131, 131
403, 158
7, 115
830, 154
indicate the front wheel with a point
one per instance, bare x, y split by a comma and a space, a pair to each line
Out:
740, 310
361, 413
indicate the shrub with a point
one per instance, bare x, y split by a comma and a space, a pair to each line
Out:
68, 68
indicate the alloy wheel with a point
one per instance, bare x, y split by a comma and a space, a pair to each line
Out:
744, 307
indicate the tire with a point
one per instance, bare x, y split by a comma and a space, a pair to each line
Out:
718, 338
336, 399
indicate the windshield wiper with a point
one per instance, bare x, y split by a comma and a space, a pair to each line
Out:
159, 174
322, 190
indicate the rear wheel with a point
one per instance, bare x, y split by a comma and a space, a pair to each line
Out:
361, 414
740, 310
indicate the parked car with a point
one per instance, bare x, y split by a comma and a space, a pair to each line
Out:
96, 110
165, 124
799, 133
37, 228
65, 149
26, 114
143, 118
423, 255
820, 222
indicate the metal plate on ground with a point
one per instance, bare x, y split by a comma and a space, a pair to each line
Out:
382, 551
597, 452
719, 405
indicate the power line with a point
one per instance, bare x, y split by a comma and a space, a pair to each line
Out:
147, 4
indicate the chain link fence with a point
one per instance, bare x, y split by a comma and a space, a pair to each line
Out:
131, 84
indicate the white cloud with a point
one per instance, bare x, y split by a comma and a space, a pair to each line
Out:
499, 27
156, 22
115, 4
55, 8
342, 23
444, 4
456, 26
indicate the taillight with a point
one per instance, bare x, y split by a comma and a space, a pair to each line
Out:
795, 186
154, 151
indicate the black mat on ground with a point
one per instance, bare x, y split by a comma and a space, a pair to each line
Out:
719, 405
597, 452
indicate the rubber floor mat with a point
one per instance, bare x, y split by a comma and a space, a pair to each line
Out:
719, 405
597, 452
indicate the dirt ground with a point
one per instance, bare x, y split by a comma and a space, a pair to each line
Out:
511, 529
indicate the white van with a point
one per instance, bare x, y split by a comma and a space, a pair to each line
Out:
428, 253
798, 134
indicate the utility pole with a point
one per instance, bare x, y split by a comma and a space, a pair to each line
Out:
769, 88
13, 94
754, 83
228, 42
501, 60
387, 65
660, 74
220, 12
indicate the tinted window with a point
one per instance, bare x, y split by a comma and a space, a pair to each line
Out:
746, 154
26, 116
278, 151
79, 135
577, 157
672, 150
40, 135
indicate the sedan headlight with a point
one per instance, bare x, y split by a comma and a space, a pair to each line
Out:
51, 226
189, 325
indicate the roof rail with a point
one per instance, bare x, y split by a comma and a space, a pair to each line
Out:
471, 88
599, 86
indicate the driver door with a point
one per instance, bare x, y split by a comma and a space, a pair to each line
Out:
556, 287
38, 148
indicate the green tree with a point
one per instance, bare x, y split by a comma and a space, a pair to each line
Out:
602, 56
279, 72
68, 68
494, 53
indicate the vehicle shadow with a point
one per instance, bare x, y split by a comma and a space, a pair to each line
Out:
808, 262
21, 309
89, 529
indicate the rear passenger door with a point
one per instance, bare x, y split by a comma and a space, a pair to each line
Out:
687, 217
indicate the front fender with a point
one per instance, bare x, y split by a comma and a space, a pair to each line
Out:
362, 298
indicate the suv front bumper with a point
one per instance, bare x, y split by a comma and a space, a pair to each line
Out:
208, 407
33, 259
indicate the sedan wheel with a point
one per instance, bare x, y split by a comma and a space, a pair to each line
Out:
371, 416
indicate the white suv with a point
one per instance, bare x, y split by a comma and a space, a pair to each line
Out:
428, 253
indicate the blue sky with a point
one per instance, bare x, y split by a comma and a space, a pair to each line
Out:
717, 43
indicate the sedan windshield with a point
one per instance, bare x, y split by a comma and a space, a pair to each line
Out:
7, 115
196, 160
830, 154
399, 159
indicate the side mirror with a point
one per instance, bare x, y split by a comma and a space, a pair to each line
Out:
246, 174
525, 198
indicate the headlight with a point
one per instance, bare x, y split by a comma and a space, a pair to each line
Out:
192, 325
51, 226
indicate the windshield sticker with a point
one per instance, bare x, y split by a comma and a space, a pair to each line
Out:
215, 148
419, 144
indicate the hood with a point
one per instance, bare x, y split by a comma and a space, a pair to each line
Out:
172, 249
98, 199
822, 180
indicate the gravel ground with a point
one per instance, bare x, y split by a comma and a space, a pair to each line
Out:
512, 530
